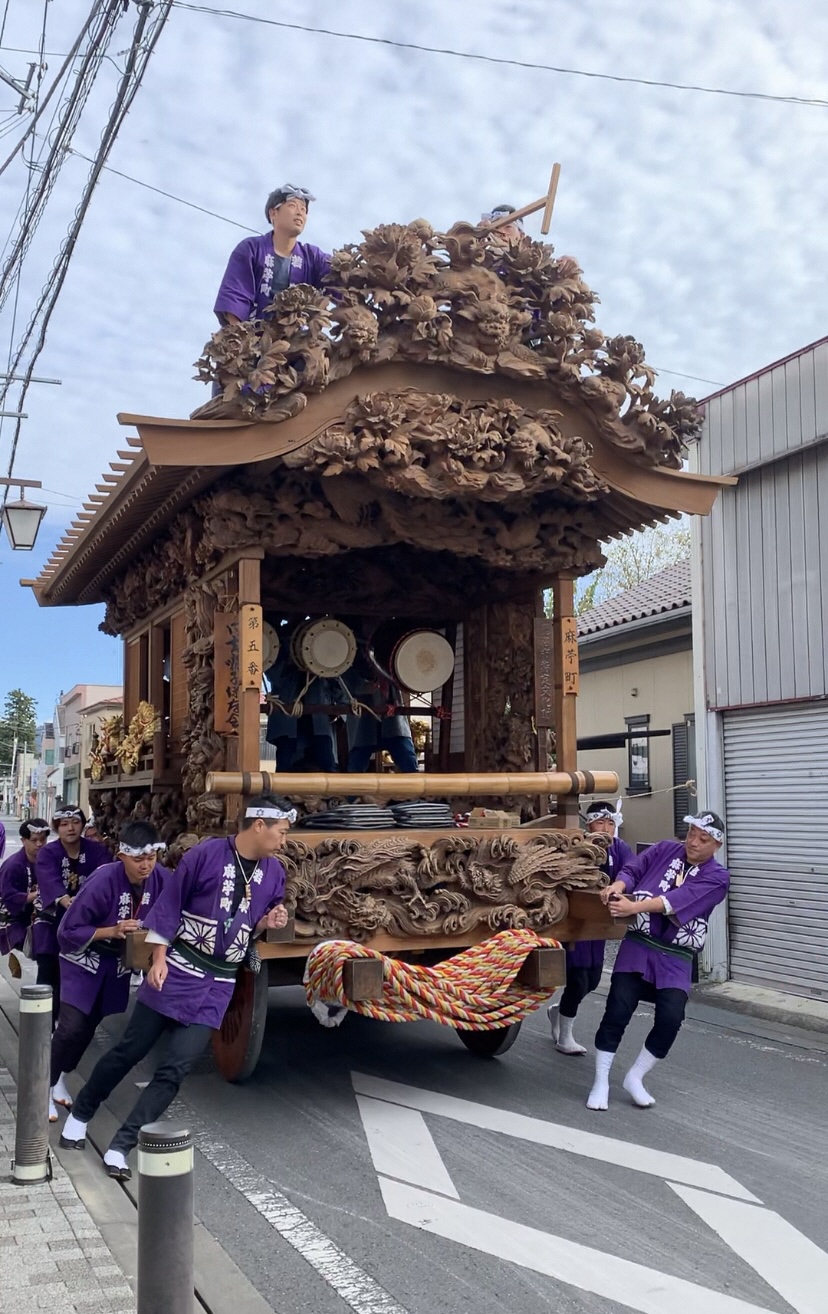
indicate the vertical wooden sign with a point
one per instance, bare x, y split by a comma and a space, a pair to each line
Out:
544, 673
570, 669
226, 672
250, 647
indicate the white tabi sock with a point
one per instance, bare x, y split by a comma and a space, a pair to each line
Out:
74, 1129
564, 1039
115, 1159
60, 1092
599, 1095
53, 1113
633, 1083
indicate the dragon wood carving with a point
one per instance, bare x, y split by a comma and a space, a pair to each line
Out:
402, 887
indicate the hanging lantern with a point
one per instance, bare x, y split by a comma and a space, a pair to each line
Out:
22, 520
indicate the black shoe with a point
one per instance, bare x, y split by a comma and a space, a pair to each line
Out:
72, 1145
119, 1174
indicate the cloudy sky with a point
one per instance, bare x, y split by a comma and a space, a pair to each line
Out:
698, 218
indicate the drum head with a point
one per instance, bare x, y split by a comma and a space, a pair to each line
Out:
326, 647
270, 645
423, 661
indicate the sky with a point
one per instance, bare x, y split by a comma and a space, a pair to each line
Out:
698, 218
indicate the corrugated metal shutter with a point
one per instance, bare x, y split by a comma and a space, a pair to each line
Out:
776, 791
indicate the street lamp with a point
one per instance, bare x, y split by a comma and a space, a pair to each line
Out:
22, 519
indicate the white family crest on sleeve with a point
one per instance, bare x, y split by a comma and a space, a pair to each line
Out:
692, 934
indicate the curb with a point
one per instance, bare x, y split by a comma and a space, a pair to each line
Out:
782, 1015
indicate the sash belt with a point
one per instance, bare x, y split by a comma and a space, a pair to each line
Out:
219, 967
678, 950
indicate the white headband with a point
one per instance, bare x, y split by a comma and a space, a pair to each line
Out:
133, 851
68, 814
36, 830
707, 824
274, 814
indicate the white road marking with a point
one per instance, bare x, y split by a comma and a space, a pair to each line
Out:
356, 1287
638, 1158
402, 1146
617, 1280
788, 1261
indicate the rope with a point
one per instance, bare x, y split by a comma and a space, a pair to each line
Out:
474, 991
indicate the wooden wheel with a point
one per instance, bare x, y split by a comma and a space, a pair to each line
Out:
490, 1044
238, 1043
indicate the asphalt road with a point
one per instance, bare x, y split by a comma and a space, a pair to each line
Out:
467, 1207
382, 1169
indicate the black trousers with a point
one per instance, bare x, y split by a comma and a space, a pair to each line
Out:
48, 973
580, 982
627, 991
185, 1043
72, 1037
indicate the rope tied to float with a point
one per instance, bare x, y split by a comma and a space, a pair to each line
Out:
475, 990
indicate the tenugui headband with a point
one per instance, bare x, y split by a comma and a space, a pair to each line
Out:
68, 814
598, 814
706, 823
133, 851
289, 191
36, 830
273, 814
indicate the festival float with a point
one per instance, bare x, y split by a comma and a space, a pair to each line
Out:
394, 472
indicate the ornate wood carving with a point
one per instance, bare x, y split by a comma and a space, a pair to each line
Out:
477, 301
399, 886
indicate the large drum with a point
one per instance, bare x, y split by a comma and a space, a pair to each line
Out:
423, 661
325, 647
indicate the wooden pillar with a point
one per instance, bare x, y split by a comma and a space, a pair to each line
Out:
250, 660
566, 691
156, 697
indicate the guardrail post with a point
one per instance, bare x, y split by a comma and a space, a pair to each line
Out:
165, 1220
32, 1163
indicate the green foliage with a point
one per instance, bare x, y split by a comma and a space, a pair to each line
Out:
632, 560
18, 721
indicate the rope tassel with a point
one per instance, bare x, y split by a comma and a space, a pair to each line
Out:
474, 991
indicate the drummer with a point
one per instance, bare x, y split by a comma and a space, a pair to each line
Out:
386, 731
305, 738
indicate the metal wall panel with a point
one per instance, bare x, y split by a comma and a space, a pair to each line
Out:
777, 412
776, 804
765, 580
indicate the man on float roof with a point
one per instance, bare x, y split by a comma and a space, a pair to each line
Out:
261, 267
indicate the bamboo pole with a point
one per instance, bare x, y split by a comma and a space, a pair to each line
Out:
411, 785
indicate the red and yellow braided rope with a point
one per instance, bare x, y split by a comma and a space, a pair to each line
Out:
475, 991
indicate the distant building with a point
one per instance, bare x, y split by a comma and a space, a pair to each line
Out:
79, 714
636, 663
761, 588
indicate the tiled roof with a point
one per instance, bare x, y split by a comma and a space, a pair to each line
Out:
666, 591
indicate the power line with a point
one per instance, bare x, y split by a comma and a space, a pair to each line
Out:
169, 195
146, 33
678, 374
497, 59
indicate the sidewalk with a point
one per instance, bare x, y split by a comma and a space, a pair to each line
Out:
52, 1256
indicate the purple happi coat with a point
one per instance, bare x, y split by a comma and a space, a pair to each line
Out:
661, 947
590, 953
195, 908
87, 972
58, 874
17, 880
246, 287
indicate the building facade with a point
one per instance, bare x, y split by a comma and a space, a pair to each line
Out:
79, 713
760, 582
636, 668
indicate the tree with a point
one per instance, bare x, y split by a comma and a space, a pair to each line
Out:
19, 721
632, 560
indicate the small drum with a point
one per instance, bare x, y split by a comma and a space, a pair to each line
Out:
422, 661
325, 647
